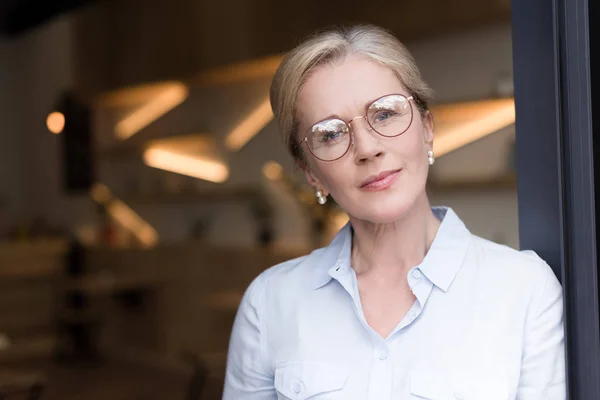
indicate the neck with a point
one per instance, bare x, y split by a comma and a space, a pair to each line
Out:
393, 248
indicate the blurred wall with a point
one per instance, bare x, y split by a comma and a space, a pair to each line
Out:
39, 68
11, 168
466, 66
147, 40
489, 213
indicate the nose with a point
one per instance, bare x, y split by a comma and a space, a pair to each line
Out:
367, 144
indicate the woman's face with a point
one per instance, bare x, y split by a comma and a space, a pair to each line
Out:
396, 167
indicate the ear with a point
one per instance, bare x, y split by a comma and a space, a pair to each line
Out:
313, 180
428, 134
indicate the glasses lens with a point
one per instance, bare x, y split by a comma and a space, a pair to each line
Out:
329, 139
390, 115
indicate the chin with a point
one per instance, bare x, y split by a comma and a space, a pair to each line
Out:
384, 209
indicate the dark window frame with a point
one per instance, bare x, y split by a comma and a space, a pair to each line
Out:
555, 165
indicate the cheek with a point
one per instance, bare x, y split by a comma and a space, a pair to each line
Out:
338, 177
333, 176
410, 149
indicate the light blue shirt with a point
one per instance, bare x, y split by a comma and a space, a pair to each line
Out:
487, 324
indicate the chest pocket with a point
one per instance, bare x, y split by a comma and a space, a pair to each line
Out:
438, 387
310, 380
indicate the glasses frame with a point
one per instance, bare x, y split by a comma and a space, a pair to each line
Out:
365, 117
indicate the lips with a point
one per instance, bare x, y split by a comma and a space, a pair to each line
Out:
380, 181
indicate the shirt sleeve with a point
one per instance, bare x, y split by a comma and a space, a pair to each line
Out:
248, 375
543, 360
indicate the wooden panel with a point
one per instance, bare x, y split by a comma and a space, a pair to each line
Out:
122, 43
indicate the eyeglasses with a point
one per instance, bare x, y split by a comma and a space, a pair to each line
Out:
389, 116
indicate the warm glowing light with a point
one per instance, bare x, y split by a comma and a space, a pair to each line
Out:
241, 72
100, 193
147, 234
160, 104
272, 170
250, 126
124, 215
197, 167
130, 220
132, 96
55, 122
193, 144
457, 125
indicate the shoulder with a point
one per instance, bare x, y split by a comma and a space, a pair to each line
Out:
494, 255
290, 277
521, 271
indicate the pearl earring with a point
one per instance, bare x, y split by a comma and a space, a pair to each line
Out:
322, 199
430, 157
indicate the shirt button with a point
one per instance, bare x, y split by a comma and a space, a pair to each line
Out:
298, 388
383, 356
417, 274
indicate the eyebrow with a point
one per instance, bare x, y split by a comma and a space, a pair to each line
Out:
367, 104
336, 116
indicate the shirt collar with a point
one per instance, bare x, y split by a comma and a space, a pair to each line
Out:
335, 258
448, 250
440, 265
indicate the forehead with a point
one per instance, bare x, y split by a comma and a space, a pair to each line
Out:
344, 89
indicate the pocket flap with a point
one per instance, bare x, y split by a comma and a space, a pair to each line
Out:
439, 387
428, 387
301, 380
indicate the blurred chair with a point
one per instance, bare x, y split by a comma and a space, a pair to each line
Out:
21, 386
18, 385
199, 377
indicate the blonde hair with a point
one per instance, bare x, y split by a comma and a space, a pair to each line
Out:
333, 46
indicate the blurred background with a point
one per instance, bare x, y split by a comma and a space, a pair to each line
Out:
143, 184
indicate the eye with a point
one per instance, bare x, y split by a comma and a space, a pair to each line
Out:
330, 136
329, 132
383, 115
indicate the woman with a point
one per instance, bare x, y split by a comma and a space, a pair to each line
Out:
405, 303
